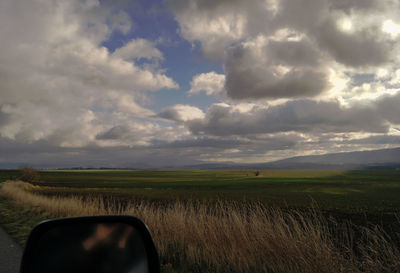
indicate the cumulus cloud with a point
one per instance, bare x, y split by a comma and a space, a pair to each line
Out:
181, 113
137, 49
316, 75
58, 83
132, 133
285, 49
299, 116
293, 53
210, 83
376, 139
116, 132
217, 24
203, 142
41, 154
121, 21
363, 48
250, 74
389, 108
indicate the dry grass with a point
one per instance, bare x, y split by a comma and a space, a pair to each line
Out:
231, 237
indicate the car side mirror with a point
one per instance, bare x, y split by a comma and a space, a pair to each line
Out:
94, 244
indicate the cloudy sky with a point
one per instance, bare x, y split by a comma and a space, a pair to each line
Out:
125, 83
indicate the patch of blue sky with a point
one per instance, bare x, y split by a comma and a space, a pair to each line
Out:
153, 21
182, 62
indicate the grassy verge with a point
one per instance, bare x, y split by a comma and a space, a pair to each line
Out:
227, 237
18, 220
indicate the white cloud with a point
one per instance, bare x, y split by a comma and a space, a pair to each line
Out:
301, 116
182, 113
58, 83
391, 27
315, 75
121, 21
137, 49
217, 24
210, 83
130, 134
274, 69
215, 33
286, 49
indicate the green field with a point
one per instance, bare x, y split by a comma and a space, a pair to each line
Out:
354, 192
367, 199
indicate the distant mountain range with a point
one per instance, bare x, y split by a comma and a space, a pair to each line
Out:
375, 159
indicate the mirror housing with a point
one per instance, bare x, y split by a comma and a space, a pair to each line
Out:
101, 244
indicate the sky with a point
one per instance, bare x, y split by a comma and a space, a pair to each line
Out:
126, 83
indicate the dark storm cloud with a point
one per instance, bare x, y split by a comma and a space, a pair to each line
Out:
363, 5
301, 14
218, 143
278, 141
360, 79
256, 83
365, 47
389, 107
233, 146
315, 41
10, 148
247, 77
296, 53
299, 116
4, 118
66, 100
353, 49
203, 4
380, 139
159, 154
170, 114
41, 154
115, 133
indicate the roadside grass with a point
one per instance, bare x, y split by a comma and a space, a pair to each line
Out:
230, 236
17, 220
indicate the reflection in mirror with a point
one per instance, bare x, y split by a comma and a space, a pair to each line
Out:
91, 248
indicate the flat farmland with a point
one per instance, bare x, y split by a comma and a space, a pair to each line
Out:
365, 191
197, 216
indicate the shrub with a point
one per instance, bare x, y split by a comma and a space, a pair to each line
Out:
28, 174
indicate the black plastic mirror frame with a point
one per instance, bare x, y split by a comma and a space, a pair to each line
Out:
41, 228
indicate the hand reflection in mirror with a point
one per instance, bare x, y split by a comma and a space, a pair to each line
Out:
92, 248
108, 235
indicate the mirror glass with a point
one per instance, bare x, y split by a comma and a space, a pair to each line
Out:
91, 248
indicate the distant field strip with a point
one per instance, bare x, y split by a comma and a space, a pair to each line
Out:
232, 237
349, 193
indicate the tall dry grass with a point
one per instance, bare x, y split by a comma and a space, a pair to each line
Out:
232, 237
